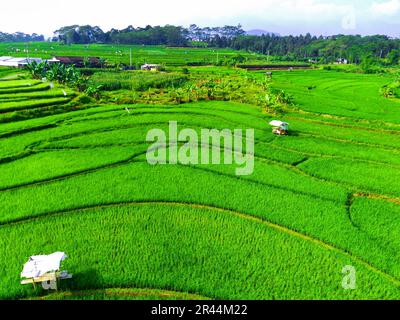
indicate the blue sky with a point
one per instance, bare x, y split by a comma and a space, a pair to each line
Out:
283, 16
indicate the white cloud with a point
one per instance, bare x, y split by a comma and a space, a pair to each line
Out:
45, 16
389, 8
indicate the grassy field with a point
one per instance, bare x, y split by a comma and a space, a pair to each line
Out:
121, 53
324, 197
350, 95
22, 98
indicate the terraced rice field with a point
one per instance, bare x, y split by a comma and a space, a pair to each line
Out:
22, 95
325, 197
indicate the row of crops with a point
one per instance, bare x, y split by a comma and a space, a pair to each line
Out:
19, 96
96, 157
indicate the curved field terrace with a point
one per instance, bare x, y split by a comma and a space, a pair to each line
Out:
321, 199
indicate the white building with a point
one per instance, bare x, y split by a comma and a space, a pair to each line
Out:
5, 58
53, 60
342, 61
17, 62
151, 67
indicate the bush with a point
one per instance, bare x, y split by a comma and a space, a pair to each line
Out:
391, 90
138, 81
84, 99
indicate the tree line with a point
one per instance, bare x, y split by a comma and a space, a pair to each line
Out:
20, 37
167, 35
353, 48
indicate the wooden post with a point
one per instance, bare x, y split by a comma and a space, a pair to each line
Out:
48, 281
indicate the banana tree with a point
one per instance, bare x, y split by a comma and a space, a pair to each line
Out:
38, 70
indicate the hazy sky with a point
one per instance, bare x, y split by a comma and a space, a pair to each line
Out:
282, 16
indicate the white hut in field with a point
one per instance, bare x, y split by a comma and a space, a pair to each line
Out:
279, 127
53, 60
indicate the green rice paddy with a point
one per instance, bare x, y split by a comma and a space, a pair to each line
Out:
324, 197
